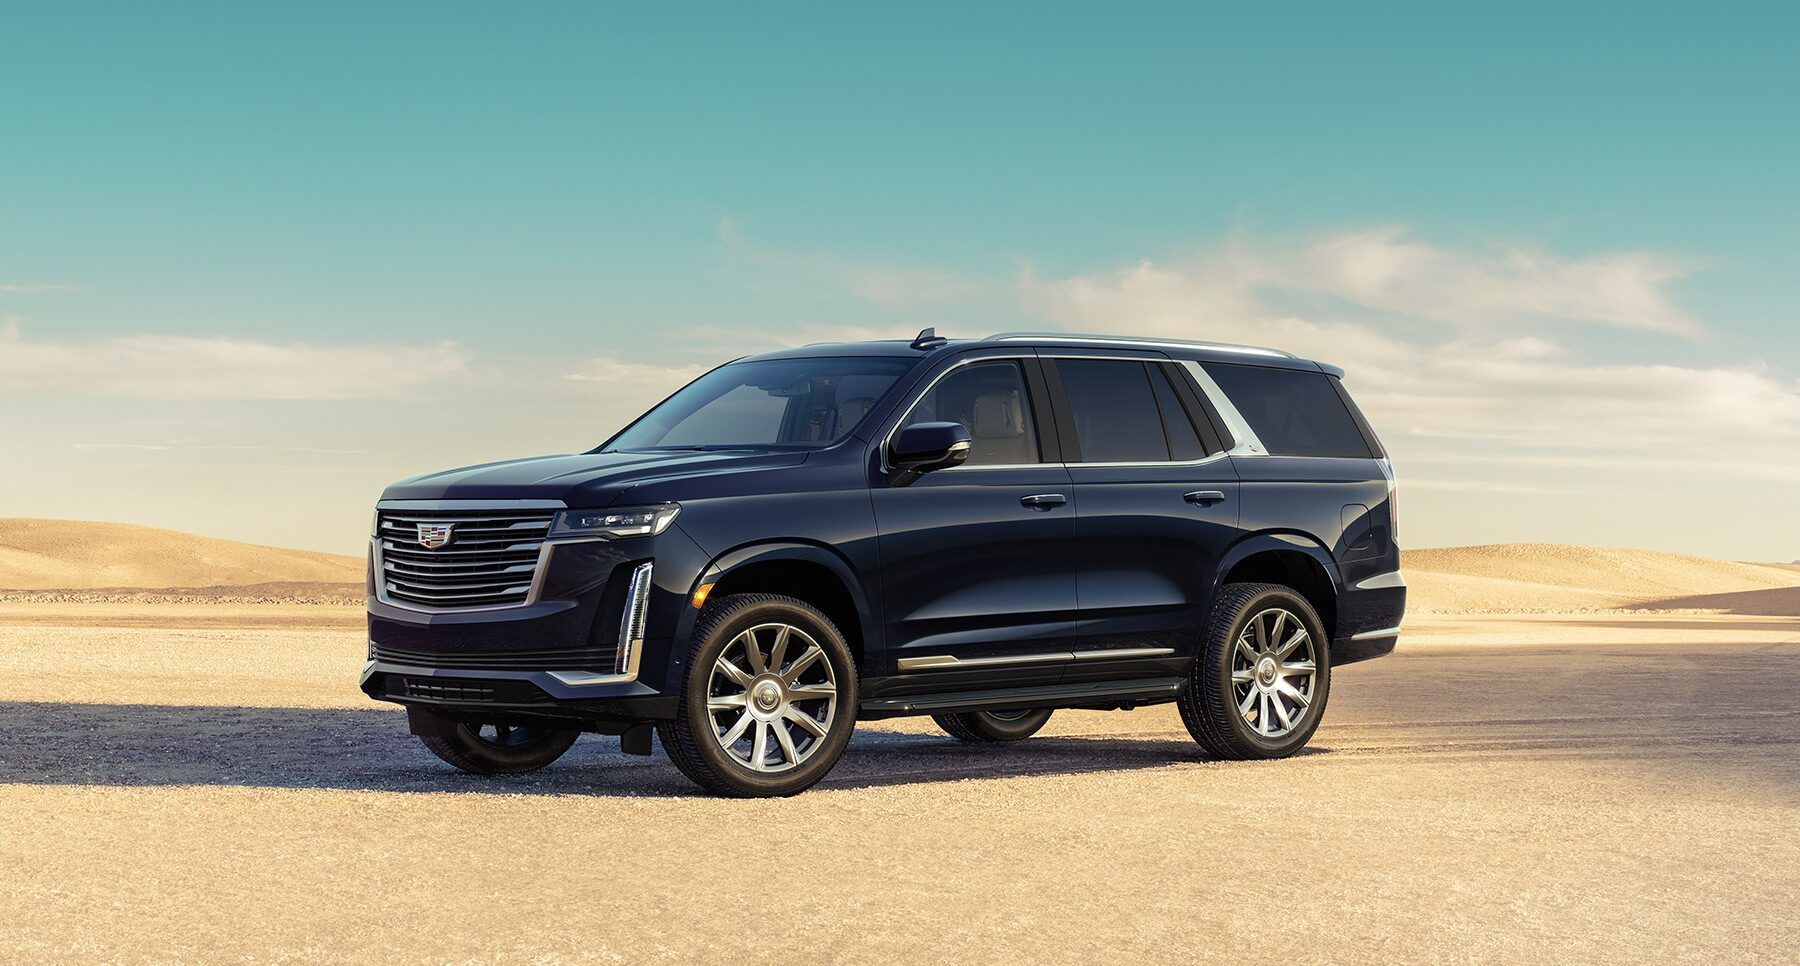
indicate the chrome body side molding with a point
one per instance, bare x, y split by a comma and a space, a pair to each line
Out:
949, 662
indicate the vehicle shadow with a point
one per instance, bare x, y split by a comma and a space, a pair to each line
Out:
132, 745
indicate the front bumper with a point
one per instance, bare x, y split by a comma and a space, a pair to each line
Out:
560, 694
594, 642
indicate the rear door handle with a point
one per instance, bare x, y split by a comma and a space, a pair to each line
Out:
1204, 497
1043, 501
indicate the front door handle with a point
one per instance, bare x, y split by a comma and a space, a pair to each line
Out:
1043, 501
1204, 497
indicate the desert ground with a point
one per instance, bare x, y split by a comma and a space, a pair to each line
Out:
195, 777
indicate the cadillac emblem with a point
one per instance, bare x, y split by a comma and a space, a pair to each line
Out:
434, 535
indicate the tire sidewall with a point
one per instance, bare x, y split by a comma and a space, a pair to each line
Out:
549, 744
1013, 729
465, 749
694, 695
1294, 604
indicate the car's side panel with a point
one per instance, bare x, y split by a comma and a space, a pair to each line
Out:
1146, 557
1310, 496
823, 502
826, 556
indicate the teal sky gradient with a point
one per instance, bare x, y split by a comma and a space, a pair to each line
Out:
582, 179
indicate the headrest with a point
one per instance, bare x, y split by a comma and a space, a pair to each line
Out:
998, 415
851, 411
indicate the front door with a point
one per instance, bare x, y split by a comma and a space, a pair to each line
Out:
978, 560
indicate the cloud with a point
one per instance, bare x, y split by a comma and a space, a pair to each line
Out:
719, 343
1456, 351
1383, 269
1453, 350
611, 373
201, 447
185, 367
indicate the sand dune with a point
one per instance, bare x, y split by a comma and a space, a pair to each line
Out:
40, 555
1519, 577
122, 562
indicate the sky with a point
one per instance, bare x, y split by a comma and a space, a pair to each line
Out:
258, 261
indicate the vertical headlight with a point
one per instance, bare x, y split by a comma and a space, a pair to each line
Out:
643, 521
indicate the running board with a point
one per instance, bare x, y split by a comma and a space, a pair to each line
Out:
1103, 693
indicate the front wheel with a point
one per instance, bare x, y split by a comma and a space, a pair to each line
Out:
983, 727
768, 698
1259, 685
497, 749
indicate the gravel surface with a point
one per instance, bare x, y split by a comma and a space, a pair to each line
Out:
1579, 789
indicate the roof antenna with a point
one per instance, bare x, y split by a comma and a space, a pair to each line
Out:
928, 339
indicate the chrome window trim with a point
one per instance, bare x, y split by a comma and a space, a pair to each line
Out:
1202, 460
887, 441
1247, 442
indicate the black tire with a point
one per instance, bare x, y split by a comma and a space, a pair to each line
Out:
986, 727
1210, 705
691, 739
509, 749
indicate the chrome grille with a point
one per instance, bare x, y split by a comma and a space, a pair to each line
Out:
490, 560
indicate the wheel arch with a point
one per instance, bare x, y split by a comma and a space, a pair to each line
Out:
1292, 559
812, 572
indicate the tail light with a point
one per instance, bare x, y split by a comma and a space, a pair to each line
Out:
1393, 509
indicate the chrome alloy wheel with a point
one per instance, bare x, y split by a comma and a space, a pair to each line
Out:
772, 697
1273, 672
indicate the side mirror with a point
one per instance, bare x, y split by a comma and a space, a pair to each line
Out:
922, 447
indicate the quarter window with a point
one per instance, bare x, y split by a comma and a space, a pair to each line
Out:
1294, 413
990, 401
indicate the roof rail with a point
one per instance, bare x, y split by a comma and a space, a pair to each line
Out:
1087, 338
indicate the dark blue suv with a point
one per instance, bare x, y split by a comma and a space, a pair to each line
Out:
978, 530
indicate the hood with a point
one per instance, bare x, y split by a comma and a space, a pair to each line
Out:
581, 479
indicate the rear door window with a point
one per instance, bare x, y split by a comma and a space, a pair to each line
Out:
1184, 441
1115, 411
1294, 413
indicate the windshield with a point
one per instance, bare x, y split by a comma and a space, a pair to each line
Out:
784, 403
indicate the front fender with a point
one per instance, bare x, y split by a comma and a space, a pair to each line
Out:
786, 550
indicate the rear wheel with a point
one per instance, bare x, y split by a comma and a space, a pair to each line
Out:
491, 748
982, 727
1259, 686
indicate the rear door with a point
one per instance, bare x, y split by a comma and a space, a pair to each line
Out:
978, 560
1157, 508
